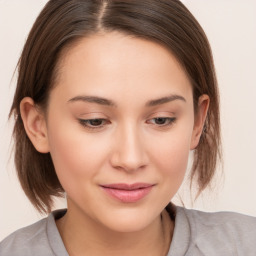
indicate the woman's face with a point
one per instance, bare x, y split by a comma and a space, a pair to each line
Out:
120, 126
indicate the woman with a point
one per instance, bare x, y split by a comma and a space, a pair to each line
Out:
111, 98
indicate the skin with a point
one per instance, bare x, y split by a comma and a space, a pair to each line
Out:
130, 145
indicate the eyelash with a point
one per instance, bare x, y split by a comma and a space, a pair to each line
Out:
171, 120
86, 122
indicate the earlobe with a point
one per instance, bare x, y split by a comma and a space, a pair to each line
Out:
35, 125
200, 117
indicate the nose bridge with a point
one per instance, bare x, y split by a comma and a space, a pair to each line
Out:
129, 151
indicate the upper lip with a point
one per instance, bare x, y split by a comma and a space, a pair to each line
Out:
124, 186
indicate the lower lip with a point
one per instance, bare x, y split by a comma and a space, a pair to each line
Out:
128, 196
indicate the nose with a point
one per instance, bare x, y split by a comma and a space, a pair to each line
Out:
129, 152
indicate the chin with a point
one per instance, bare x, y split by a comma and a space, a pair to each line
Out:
126, 221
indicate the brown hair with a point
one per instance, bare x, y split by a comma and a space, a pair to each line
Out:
63, 22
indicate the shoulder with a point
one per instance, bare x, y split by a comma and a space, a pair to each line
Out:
219, 218
22, 241
222, 232
32, 240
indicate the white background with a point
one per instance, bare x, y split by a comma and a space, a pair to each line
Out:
231, 29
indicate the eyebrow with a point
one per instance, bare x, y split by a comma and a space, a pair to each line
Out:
107, 102
164, 100
94, 99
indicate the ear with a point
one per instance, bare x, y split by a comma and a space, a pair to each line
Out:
35, 124
200, 116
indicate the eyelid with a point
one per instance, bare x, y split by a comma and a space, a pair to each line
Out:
92, 115
165, 117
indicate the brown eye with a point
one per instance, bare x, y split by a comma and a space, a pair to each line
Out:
93, 123
162, 121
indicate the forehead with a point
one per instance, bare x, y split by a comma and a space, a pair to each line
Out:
114, 63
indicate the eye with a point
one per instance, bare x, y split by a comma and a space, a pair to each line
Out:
93, 123
162, 121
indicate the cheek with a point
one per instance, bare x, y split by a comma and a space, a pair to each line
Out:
75, 154
173, 158
173, 166
170, 156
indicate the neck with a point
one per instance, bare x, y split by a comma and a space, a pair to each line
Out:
84, 236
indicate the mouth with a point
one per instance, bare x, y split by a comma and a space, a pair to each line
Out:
128, 193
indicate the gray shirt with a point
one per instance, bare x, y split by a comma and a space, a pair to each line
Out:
196, 233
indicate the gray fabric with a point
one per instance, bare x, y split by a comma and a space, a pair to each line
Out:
213, 234
195, 234
39, 239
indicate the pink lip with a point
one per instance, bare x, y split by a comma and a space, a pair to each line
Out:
128, 193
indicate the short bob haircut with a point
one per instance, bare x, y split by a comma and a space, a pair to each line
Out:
60, 25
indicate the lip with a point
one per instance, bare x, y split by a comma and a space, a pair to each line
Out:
128, 193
